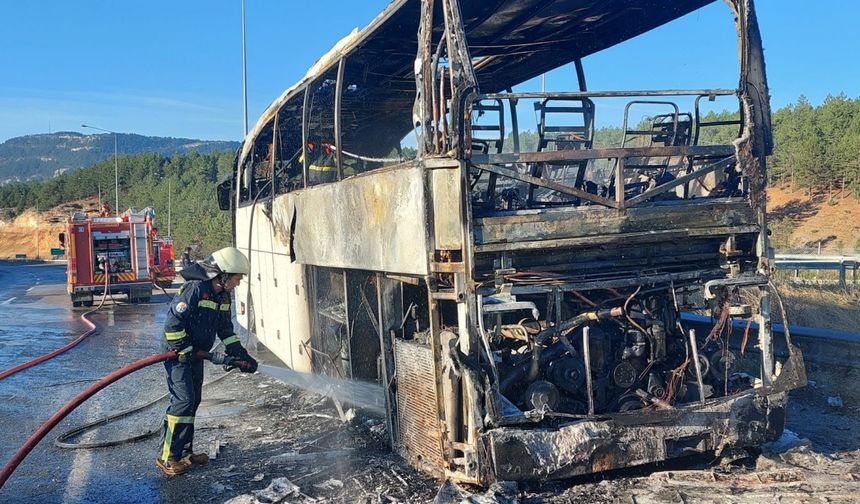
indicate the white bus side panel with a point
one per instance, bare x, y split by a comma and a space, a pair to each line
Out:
374, 222
278, 290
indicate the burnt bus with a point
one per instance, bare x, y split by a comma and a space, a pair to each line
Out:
518, 287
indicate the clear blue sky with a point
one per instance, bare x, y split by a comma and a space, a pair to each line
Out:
173, 68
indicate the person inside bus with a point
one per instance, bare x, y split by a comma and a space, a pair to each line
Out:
323, 168
199, 312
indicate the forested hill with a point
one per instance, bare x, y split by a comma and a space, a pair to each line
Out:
185, 182
44, 156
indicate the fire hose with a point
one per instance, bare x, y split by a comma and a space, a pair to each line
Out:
62, 441
92, 328
70, 406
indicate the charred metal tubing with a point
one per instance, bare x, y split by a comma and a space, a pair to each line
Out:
566, 327
697, 365
92, 328
534, 367
67, 408
586, 354
520, 371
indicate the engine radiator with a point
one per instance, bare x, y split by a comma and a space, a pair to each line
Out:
417, 411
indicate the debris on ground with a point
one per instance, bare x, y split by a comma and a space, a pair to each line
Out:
500, 492
835, 401
278, 490
787, 441
242, 499
329, 484
319, 457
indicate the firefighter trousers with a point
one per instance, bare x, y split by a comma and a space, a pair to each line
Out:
185, 384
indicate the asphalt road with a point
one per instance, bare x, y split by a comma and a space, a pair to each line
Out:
36, 317
254, 420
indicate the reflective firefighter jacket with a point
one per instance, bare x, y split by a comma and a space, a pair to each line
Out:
198, 314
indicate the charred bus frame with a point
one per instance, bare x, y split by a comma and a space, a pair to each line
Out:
520, 308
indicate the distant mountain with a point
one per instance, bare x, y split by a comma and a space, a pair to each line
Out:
44, 156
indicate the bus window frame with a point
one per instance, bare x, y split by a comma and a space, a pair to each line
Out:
247, 184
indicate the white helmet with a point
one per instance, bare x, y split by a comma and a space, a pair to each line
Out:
230, 260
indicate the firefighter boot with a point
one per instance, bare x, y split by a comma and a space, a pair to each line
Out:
173, 467
197, 458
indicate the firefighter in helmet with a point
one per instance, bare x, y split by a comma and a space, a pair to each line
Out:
185, 260
323, 166
198, 313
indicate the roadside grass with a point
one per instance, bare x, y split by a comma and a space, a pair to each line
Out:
824, 306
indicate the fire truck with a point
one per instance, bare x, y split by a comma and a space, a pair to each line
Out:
163, 261
113, 253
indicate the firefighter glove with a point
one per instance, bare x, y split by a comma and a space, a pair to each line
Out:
252, 365
246, 365
185, 355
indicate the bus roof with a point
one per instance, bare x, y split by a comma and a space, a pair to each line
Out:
510, 41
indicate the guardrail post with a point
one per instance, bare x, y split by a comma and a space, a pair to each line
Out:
842, 274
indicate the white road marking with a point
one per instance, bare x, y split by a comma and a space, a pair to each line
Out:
82, 464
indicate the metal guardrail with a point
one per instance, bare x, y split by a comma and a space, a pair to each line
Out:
798, 262
822, 347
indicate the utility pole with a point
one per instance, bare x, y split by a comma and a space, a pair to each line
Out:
115, 164
168, 208
37, 231
116, 175
244, 73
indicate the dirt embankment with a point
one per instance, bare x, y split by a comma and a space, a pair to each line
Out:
801, 221
24, 233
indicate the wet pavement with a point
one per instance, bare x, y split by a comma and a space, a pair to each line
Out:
260, 428
36, 317
267, 434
